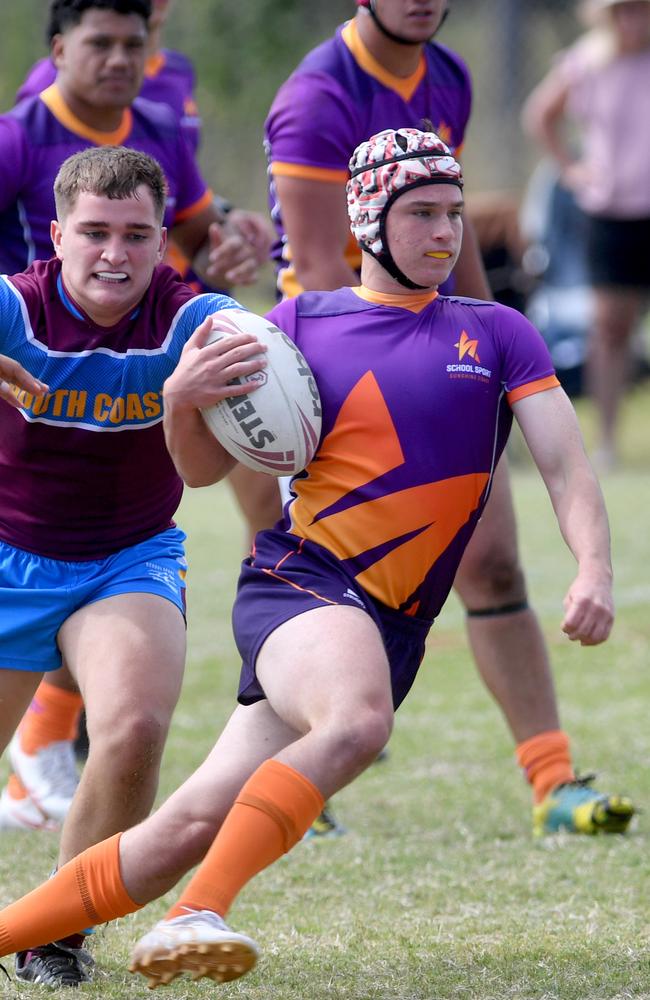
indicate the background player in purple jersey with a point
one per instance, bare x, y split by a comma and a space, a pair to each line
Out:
92, 567
169, 76
381, 70
100, 49
333, 609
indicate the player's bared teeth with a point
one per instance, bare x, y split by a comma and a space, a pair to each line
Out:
111, 276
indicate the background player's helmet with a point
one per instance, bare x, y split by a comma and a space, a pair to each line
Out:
372, 8
381, 169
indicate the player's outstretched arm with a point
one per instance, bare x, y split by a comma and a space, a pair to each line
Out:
13, 375
201, 379
550, 427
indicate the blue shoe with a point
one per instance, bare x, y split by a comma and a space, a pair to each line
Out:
576, 807
325, 825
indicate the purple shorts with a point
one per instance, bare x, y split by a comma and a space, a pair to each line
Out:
287, 576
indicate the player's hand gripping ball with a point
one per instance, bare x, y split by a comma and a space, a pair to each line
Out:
276, 428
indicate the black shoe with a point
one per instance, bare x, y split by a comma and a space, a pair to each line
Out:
58, 964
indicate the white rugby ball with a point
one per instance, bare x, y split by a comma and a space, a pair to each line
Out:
276, 427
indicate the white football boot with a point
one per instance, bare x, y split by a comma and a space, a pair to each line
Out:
198, 942
50, 775
23, 814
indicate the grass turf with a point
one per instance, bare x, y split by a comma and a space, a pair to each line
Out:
438, 891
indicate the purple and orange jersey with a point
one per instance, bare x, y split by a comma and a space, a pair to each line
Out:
41, 132
84, 471
416, 393
337, 98
169, 78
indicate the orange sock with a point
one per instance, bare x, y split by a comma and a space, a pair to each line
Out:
15, 788
276, 806
546, 761
52, 716
88, 890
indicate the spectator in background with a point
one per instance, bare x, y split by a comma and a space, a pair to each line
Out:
602, 84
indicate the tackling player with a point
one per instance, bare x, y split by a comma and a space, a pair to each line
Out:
98, 52
92, 566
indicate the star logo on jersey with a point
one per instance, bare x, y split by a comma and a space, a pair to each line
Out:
467, 346
468, 365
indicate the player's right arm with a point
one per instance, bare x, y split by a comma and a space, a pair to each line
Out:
318, 230
201, 379
311, 130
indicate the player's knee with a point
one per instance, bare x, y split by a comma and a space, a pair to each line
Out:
494, 580
359, 739
132, 743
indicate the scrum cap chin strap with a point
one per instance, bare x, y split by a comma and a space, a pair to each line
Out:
372, 10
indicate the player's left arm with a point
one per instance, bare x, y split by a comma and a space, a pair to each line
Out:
550, 426
203, 377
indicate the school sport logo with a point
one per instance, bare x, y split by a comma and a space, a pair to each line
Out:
467, 346
468, 352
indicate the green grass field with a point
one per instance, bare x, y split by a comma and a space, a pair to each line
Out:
438, 890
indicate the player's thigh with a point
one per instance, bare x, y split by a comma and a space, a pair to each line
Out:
323, 665
490, 570
127, 654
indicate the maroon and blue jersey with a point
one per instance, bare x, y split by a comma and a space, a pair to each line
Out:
416, 394
169, 78
84, 471
337, 98
41, 132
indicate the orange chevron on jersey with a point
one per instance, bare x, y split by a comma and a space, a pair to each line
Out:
418, 523
361, 446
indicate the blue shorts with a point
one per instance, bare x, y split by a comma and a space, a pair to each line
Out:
287, 576
37, 595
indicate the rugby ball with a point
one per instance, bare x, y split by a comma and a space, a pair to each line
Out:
276, 428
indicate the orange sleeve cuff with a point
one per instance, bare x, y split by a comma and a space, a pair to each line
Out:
280, 169
540, 385
196, 208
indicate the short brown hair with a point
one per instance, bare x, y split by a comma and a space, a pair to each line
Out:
66, 14
111, 171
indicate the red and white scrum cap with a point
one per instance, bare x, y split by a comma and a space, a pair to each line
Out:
384, 167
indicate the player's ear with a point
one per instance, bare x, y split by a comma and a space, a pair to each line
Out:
163, 243
56, 49
55, 236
